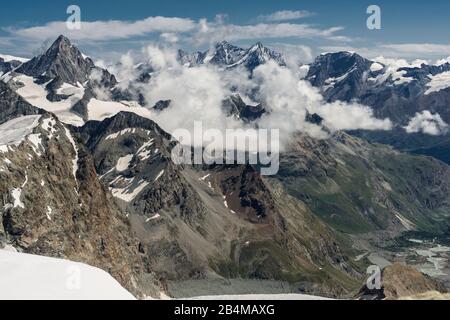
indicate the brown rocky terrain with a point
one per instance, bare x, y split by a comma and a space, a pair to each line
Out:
219, 221
50, 205
108, 194
399, 281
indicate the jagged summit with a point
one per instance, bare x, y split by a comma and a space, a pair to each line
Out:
60, 43
62, 60
226, 54
229, 56
341, 74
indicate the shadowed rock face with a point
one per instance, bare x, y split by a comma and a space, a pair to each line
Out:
191, 227
162, 105
340, 75
349, 77
234, 106
133, 212
47, 210
228, 56
66, 63
13, 106
62, 60
4, 67
7, 66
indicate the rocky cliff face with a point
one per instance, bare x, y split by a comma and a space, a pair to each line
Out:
12, 105
228, 56
219, 221
53, 204
234, 106
342, 76
393, 92
115, 199
108, 193
62, 60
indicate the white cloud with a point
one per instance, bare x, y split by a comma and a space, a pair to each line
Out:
213, 32
351, 116
197, 93
290, 99
170, 37
285, 15
107, 30
294, 54
170, 30
409, 51
419, 49
427, 123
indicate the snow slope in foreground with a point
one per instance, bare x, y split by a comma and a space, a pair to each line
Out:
29, 277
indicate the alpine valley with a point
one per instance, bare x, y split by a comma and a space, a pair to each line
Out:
86, 175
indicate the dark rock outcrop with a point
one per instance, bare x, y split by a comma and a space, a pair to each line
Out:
399, 281
13, 106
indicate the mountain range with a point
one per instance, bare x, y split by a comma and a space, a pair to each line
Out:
90, 178
229, 56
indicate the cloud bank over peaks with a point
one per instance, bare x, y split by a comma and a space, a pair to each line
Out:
197, 94
291, 99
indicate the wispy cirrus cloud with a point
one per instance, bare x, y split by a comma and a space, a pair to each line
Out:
285, 15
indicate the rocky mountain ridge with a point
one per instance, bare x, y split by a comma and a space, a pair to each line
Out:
106, 191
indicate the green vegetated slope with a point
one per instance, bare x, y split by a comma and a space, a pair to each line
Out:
358, 187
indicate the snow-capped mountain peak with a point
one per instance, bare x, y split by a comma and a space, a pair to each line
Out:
62, 60
229, 56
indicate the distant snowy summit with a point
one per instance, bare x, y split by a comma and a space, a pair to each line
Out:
229, 56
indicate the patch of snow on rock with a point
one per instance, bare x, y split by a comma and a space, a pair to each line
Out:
36, 95
16, 194
74, 145
128, 194
159, 175
124, 163
438, 82
13, 132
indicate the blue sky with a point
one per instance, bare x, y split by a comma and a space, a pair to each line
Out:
410, 29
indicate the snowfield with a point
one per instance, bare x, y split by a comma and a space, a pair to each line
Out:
438, 82
99, 110
13, 132
36, 95
30, 277
8, 58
